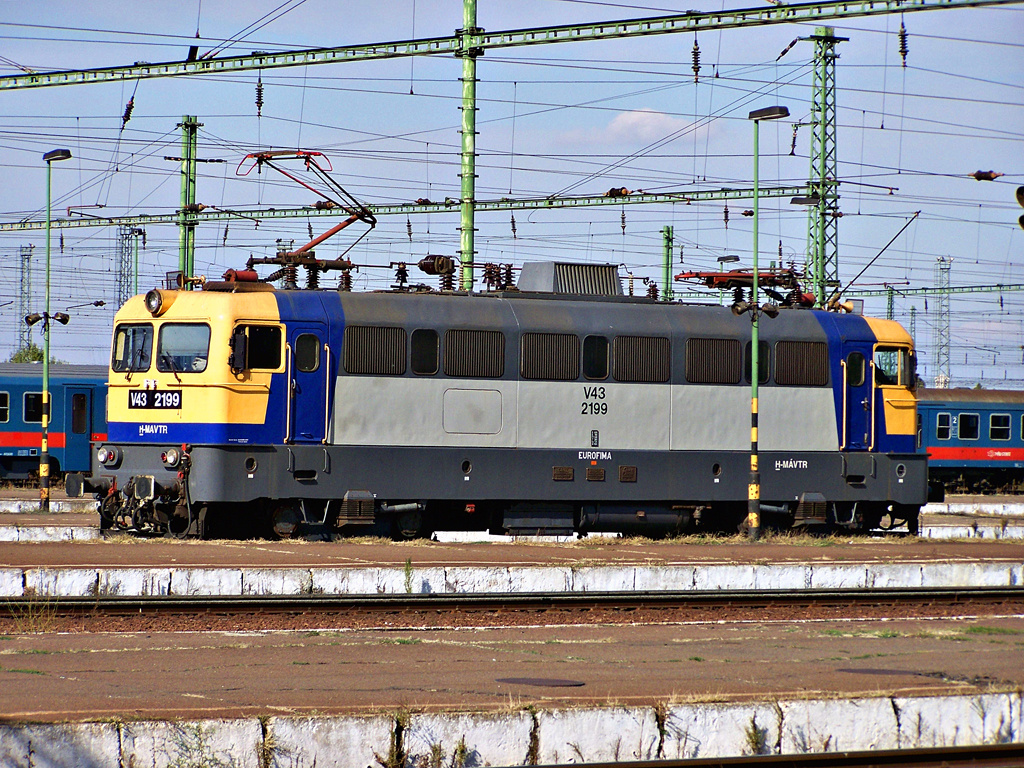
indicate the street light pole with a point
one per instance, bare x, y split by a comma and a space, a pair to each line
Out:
44, 453
754, 485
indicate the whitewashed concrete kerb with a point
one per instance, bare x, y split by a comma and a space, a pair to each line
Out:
525, 736
90, 582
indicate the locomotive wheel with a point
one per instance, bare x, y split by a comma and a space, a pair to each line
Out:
407, 525
285, 520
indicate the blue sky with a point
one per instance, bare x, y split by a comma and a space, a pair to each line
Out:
581, 117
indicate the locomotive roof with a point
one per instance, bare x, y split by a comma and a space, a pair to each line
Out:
970, 395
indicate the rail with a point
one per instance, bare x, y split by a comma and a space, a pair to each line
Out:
512, 602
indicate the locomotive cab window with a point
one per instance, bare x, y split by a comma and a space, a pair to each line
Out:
255, 347
595, 357
5, 407
999, 426
33, 404
425, 345
893, 366
943, 426
133, 348
183, 348
967, 426
307, 352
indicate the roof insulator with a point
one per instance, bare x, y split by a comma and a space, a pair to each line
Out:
127, 112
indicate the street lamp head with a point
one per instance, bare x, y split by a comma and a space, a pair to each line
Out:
57, 154
805, 200
32, 319
769, 113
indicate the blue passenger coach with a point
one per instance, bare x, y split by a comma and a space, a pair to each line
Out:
78, 417
974, 438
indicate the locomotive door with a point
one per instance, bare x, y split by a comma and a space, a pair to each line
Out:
308, 369
77, 428
858, 408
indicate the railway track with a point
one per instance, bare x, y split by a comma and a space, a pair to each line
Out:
981, 756
623, 603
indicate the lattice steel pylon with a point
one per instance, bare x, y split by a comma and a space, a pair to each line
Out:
941, 336
25, 296
823, 218
128, 250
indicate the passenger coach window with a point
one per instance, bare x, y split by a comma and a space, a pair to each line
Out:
5, 407
999, 426
79, 413
375, 349
892, 366
33, 407
967, 426
943, 426
553, 356
307, 352
424, 351
595, 357
133, 348
183, 347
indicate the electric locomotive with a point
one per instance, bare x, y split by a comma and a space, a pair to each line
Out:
555, 406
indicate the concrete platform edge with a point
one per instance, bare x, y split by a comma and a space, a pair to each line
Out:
526, 735
46, 582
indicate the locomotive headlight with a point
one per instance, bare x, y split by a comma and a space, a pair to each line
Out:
158, 301
108, 456
171, 457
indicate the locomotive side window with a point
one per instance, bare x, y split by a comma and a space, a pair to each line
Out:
999, 426
33, 404
79, 413
425, 343
805, 364
892, 366
474, 354
550, 356
183, 347
967, 426
307, 352
133, 348
641, 358
943, 426
595, 357
763, 361
713, 361
374, 349
855, 367
5, 407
